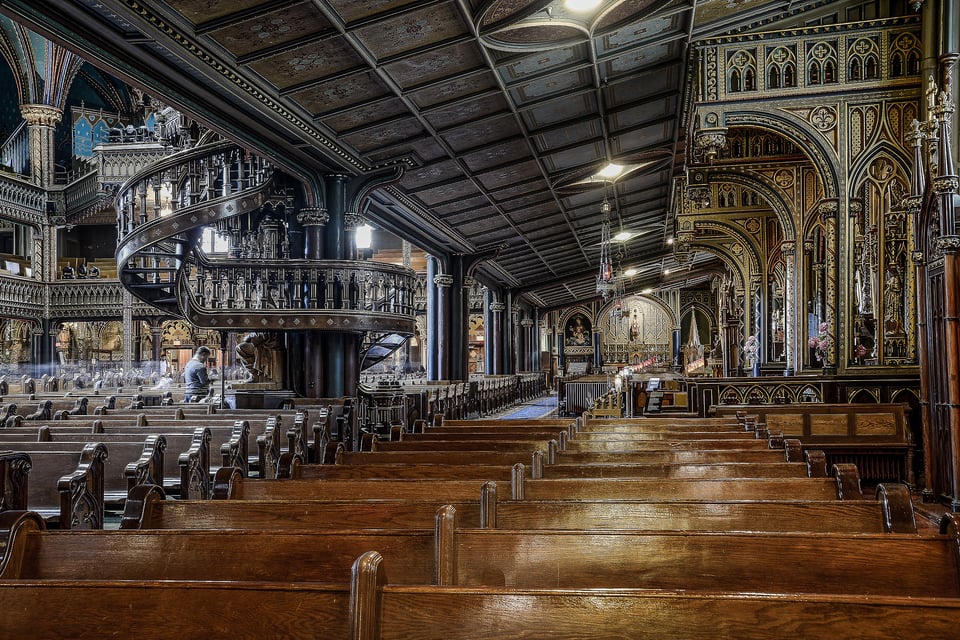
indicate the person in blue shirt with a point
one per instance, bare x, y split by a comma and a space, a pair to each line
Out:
195, 376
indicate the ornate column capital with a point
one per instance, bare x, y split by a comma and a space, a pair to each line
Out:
855, 206
41, 115
917, 257
443, 280
948, 244
945, 184
497, 307
828, 208
788, 248
352, 220
313, 216
469, 281
526, 323
709, 142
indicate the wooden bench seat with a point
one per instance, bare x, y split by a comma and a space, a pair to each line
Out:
448, 436
892, 511
128, 464
685, 470
160, 610
875, 437
400, 612
433, 457
640, 445
229, 486
407, 471
844, 485
783, 562
230, 440
186, 456
461, 445
662, 455
207, 554
147, 509
65, 487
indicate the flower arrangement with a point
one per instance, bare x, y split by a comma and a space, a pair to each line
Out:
821, 342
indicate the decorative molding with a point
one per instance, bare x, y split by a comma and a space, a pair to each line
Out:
313, 216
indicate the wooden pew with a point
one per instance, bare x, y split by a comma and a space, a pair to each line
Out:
870, 564
407, 471
875, 437
891, 512
372, 609
398, 612
584, 446
844, 485
432, 457
65, 487
231, 439
213, 554
186, 460
160, 610
783, 562
685, 470
465, 445
126, 464
147, 509
230, 485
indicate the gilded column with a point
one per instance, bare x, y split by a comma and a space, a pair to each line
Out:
828, 214
789, 251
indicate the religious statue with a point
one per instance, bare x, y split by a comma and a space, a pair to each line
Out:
893, 302
257, 353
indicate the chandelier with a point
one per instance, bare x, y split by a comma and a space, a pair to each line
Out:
606, 281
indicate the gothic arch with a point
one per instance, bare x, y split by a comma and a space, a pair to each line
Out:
804, 135
764, 188
858, 172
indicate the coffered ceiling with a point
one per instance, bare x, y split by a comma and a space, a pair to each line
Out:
499, 111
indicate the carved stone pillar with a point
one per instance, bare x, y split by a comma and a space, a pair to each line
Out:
313, 220
495, 336
443, 282
42, 120
526, 340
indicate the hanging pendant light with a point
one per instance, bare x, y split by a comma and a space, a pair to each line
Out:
605, 278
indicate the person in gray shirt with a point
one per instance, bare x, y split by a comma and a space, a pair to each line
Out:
195, 376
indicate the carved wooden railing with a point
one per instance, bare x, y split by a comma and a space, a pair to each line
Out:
162, 211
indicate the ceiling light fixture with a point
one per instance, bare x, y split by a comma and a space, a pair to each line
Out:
605, 278
611, 171
581, 6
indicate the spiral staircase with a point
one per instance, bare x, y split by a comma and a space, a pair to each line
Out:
162, 212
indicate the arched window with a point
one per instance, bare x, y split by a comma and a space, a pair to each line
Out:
896, 65
829, 73
789, 76
813, 73
773, 79
873, 68
856, 70
913, 63
735, 86
749, 80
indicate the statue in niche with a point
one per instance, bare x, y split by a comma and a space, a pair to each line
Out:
893, 302
259, 354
